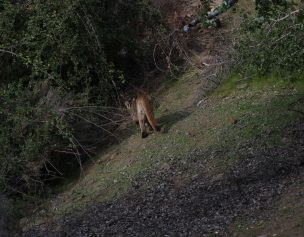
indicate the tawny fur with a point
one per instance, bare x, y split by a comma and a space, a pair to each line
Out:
141, 111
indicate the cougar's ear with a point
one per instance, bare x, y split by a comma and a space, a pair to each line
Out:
127, 104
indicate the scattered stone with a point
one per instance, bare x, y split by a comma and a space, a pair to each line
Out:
189, 134
242, 86
233, 120
200, 207
201, 102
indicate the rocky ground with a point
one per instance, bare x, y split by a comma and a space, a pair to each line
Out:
200, 206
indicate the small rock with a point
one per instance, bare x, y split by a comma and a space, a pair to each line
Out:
23, 221
189, 134
42, 212
201, 102
194, 177
233, 120
242, 86
165, 166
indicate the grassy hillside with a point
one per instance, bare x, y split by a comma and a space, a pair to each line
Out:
229, 162
242, 128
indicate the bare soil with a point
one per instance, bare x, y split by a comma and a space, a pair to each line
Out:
202, 205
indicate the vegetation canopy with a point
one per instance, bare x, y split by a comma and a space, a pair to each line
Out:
271, 42
56, 59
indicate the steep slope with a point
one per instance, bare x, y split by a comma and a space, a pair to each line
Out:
227, 161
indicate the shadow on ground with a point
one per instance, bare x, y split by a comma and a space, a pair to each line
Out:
200, 207
168, 120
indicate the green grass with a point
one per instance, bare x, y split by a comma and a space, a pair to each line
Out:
299, 85
236, 83
258, 109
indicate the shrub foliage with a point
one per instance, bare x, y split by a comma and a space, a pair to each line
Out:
272, 41
56, 55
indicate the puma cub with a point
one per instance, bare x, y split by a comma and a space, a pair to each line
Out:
141, 112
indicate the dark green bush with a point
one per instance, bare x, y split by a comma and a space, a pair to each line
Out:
271, 8
271, 44
56, 55
75, 45
32, 124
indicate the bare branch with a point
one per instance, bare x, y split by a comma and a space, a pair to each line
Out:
9, 52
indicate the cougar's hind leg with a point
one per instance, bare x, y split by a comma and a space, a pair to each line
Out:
143, 128
141, 121
153, 124
150, 117
148, 125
